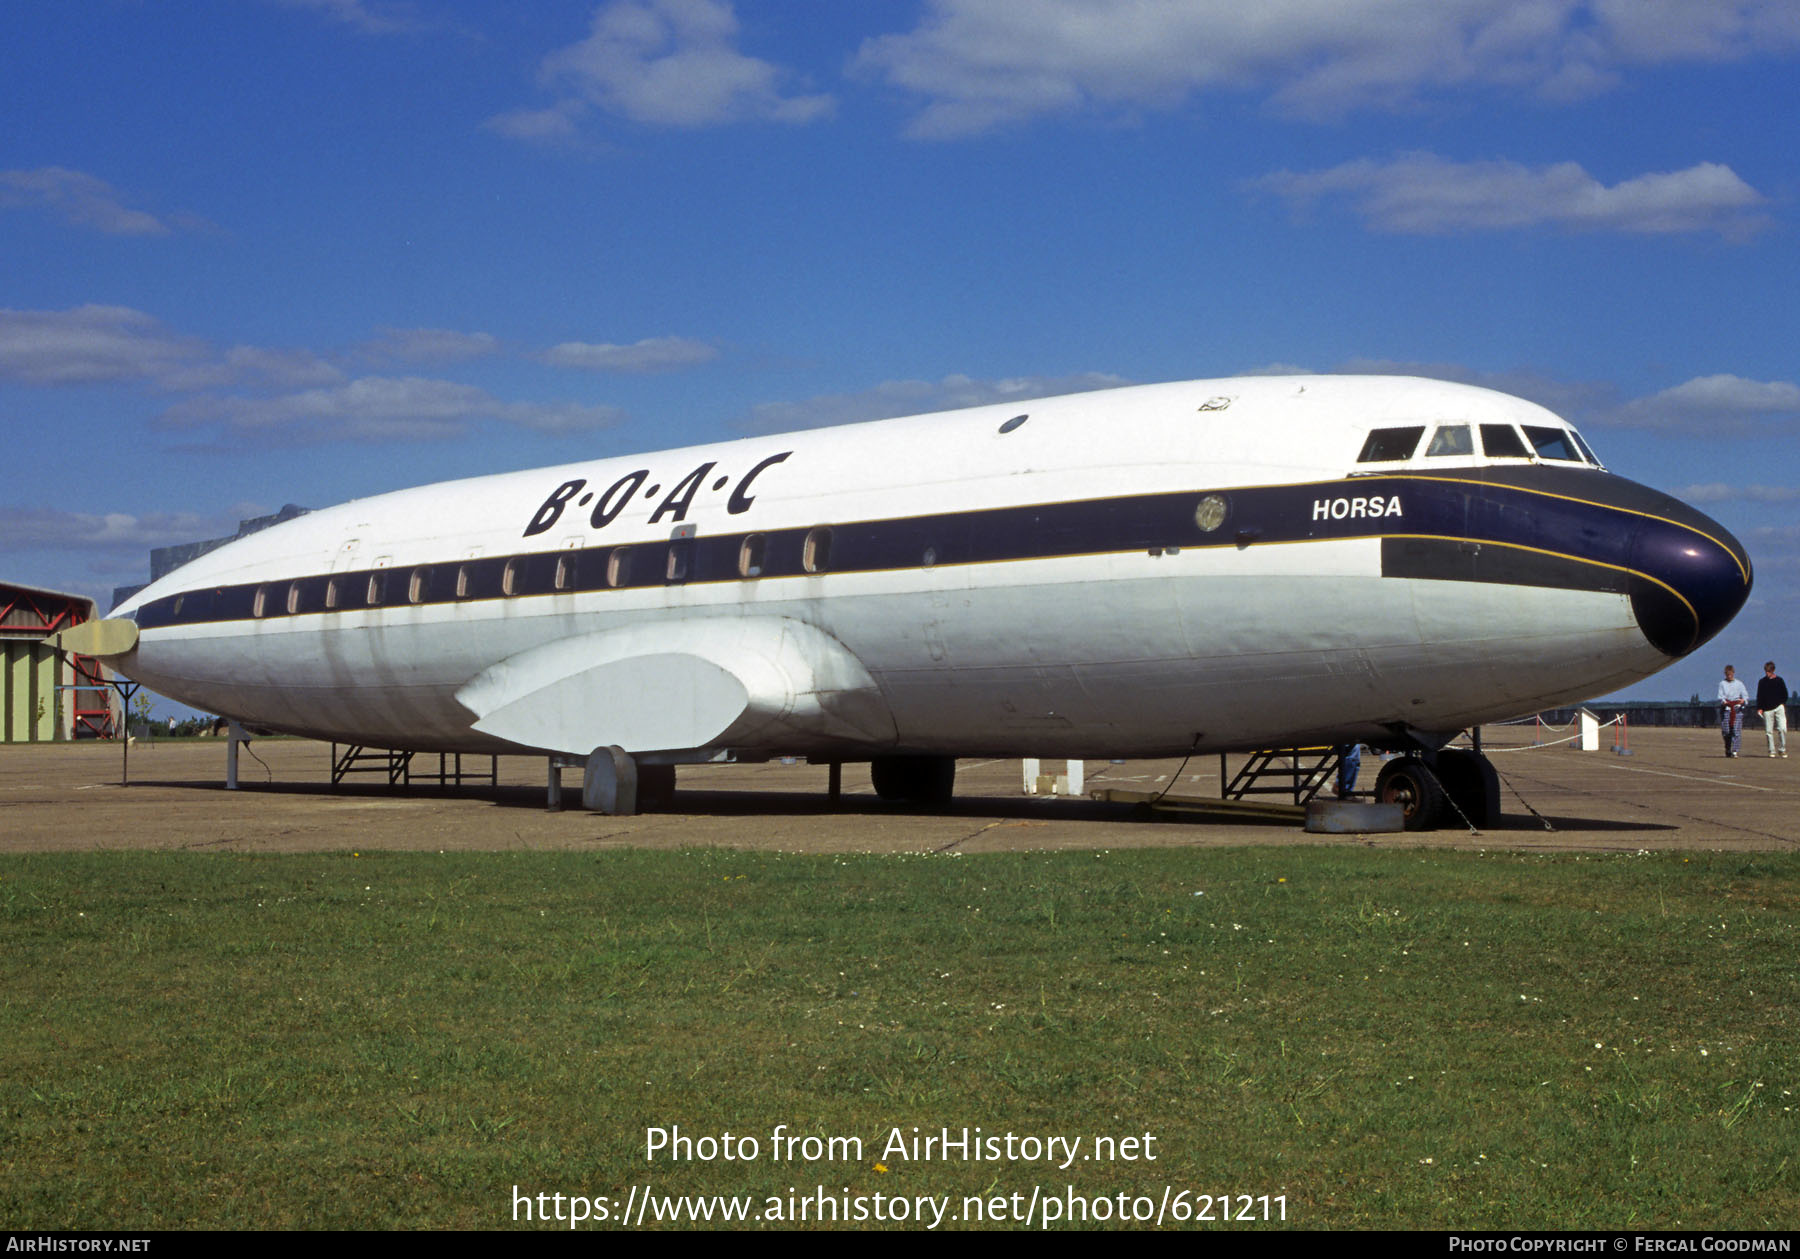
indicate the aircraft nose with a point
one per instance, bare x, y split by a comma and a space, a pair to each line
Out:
1689, 576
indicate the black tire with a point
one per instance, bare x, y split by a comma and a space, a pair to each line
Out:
1409, 783
656, 788
1469, 780
914, 779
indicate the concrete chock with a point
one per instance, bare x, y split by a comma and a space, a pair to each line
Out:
609, 782
1353, 817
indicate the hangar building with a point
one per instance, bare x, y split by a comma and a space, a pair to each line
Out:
43, 697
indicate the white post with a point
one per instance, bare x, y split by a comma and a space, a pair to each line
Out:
1031, 764
234, 735
1590, 732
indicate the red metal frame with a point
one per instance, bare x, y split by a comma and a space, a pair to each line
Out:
92, 697
91, 689
46, 623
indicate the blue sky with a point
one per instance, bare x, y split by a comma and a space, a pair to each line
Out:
255, 252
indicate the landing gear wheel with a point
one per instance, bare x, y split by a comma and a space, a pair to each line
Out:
655, 788
1472, 785
1409, 783
914, 779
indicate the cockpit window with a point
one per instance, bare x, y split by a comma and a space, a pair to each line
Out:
1388, 445
1501, 441
1450, 439
1553, 443
1586, 449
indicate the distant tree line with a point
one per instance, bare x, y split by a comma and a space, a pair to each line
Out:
168, 728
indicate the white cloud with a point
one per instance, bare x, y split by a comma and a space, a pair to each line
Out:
1719, 492
650, 355
243, 364
90, 345
977, 64
109, 344
1571, 399
91, 553
377, 408
1714, 405
1420, 193
383, 20
914, 397
30, 529
1276, 369
556, 125
1775, 550
78, 198
670, 63
1652, 31
429, 345
1704, 406
117, 345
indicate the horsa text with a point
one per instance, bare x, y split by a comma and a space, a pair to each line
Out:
1355, 508
615, 498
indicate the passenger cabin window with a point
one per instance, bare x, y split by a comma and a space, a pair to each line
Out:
565, 572
334, 593
618, 567
418, 589
817, 555
462, 581
750, 556
1450, 439
293, 597
1553, 443
1501, 441
1389, 445
509, 577
377, 587
260, 606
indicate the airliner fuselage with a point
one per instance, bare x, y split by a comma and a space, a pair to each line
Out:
1146, 571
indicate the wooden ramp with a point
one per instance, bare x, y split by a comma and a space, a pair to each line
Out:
1237, 810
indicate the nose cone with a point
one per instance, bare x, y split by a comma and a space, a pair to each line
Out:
1689, 576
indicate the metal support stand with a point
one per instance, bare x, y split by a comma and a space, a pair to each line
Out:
834, 790
126, 690
1307, 772
357, 759
234, 735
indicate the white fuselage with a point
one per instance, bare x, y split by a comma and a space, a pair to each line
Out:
982, 592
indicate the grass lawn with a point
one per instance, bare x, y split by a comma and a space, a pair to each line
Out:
1380, 1038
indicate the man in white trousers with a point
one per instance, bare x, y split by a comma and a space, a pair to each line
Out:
1771, 706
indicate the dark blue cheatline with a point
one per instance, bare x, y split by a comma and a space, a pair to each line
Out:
1579, 530
1566, 528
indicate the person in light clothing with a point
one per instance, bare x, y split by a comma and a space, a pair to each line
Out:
1732, 697
1771, 706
